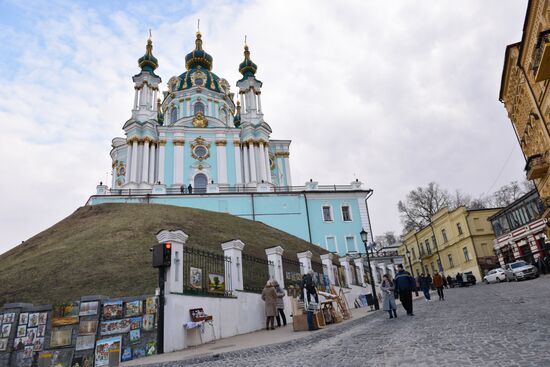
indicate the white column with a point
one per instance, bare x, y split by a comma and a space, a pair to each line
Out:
189, 112
267, 165
252, 157
246, 163
177, 239
344, 261
127, 177
305, 259
275, 254
152, 163
359, 265
326, 259
160, 176
238, 165
178, 162
134, 171
233, 250
155, 100
222, 161
261, 159
259, 102
287, 168
136, 98
145, 164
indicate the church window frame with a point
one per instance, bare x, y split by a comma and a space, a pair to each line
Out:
173, 115
327, 213
346, 213
199, 107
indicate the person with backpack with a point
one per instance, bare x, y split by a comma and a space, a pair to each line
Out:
404, 284
309, 286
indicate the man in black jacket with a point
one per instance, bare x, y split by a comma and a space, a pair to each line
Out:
404, 285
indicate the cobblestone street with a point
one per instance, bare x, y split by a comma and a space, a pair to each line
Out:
485, 325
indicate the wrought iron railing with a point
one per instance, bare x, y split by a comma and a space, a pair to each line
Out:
206, 273
292, 272
256, 273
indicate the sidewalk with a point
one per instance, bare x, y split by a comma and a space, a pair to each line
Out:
255, 339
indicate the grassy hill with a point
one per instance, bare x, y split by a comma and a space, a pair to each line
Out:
104, 249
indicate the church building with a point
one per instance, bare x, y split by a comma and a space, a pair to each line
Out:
198, 145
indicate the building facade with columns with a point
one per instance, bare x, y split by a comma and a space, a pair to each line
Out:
196, 144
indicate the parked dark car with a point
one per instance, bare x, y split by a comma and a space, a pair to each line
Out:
468, 279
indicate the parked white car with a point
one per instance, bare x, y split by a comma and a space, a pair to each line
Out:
520, 270
495, 276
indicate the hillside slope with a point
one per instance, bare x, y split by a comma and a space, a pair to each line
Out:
104, 249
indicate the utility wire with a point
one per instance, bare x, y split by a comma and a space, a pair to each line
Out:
501, 170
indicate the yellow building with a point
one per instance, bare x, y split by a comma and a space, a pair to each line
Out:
523, 91
458, 241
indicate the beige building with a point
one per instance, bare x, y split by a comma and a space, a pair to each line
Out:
523, 91
458, 241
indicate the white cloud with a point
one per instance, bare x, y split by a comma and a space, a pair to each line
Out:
398, 94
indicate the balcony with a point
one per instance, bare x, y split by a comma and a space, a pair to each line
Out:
536, 167
426, 254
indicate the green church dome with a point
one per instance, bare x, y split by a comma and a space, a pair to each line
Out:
198, 57
247, 67
148, 62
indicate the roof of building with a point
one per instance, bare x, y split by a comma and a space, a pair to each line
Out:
148, 62
512, 204
247, 67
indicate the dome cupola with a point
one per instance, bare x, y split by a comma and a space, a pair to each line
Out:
148, 62
247, 67
198, 57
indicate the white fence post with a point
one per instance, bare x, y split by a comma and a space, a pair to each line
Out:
174, 273
344, 261
275, 254
327, 261
305, 260
233, 250
359, 265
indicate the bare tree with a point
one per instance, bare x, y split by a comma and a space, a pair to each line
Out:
420, 204
509, 193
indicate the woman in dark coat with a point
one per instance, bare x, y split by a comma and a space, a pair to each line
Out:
269, 295
388, 299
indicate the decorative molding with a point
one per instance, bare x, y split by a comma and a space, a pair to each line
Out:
282, 154
161, 142
277, 250
178, 142
221, 143
200, 142
178, 236
237, 143
200, 121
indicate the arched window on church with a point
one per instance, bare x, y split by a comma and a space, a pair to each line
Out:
198, 107
173, 115
223, 116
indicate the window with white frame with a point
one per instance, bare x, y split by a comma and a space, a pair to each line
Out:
350, 244
346, 213
331, 243
444, 234
327, 213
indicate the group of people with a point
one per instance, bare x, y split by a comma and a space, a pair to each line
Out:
402, 287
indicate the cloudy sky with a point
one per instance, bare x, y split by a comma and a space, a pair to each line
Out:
397, 93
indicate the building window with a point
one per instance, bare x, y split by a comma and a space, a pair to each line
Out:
451, 263
433, 267
414, 254
459, 228
173, 115
346, 214
331, 243
428, 248
466, 254
433, 242
350, 244
444, 234
439, 265
198, 107
327, 213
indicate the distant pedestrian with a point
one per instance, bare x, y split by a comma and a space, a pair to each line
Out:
425, 286
182, 189
269, 296
450, 281
439, 282
459, 279
541, 265
280, 303
404, 284
445, 282
387, 289
190, 189
309, 286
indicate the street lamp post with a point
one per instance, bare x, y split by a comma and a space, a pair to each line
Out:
365, 239
412, 270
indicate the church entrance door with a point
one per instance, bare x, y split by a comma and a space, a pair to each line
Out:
200, 183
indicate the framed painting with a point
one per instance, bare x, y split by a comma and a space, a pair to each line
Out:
115, 327
23, 318
87, 327
65, 314
112, 310
33, 319
8, 318
41, 331
21, 331
149, 322
107, 350
195, 278
216, 283
151, 305
38, 344
42, 318
3, 344
126, 354
133, 308
135, 323
135, 336
84, 342
83, 361
150, 348
5, 331
88, 308
62, 357
138, 352
61, 337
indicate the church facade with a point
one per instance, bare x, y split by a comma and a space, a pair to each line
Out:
198, 145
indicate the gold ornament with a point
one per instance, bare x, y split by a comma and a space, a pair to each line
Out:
199, 120
197, 144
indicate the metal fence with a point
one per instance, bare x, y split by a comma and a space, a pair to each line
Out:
318, 270
256, 273
293, 270
206, 273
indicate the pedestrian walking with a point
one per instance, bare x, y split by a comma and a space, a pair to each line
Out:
450, 281
439, 282
459, 279
404, 284
280, 304
425, 286
309, 286
445, 282
190, 189
387, 289
269, 296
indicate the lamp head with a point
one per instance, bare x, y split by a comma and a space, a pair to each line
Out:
364, 235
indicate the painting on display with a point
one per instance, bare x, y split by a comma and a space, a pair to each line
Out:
32, 334
6, 330
115, 327
55, 358
107, 349
151, 305
195, 279
127, 354
135, 336
42, 318
83, 361
133, 308
3, 344
135, 323
88, 308
41, 331
38, 344
23, 318
149, 322
61, 337
112, 310
87, 327
33, 319
138, 352
19, 343
9, 318
27, 353
21, 331
22, 359
151, 348
216, 283
84, 342
65, 314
